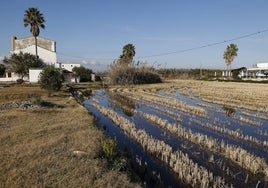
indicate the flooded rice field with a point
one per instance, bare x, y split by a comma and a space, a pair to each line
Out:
182, 136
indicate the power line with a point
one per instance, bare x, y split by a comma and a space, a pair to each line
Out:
174, 52
205, 46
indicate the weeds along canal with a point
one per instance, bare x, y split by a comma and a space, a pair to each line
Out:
153, 168
188, 125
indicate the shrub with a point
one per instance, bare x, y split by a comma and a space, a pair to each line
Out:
121, 164
109, 149
127, 75
83, 73
2, 70
51, 78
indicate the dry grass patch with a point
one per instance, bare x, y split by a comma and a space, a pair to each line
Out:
37, 145
19, 93
251, 96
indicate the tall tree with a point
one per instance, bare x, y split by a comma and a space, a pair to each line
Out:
83, 73
229, 55
128, 54
20, 63
34, 19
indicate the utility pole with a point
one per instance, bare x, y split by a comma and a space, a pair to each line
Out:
200, 72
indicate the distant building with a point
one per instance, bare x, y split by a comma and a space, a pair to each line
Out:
258, 71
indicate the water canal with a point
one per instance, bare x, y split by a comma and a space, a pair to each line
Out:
229, 145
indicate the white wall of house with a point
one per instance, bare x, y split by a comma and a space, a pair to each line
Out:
226, 73
34, 75
93, 77
68, 66
262, 65
47, 56
46, 48
11, 77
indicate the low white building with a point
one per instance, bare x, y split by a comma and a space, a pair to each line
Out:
68, 66
258, 71
10, 77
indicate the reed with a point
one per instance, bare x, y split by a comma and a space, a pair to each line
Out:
240, 95
255, 115
169, 102
188, 171
248, 99
234, 153
250, 122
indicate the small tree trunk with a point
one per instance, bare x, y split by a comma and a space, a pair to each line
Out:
228, 70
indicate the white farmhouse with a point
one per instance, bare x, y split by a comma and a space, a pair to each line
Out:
46, 50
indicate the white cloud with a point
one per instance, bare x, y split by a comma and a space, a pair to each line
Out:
84, 62
91, 62
94, 65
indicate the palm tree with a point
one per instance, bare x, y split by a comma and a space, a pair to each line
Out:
229, 55
35, 20
128, 54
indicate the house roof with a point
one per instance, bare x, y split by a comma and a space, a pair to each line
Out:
239, 69
66, 71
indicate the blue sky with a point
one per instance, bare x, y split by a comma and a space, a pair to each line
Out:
93, 32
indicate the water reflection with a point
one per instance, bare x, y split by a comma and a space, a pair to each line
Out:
122, 102
153, 170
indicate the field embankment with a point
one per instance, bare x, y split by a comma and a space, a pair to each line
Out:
50, 142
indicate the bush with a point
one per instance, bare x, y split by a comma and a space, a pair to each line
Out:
2, 70
127, 75
83, 73
109, 149
121, 164
51, 78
